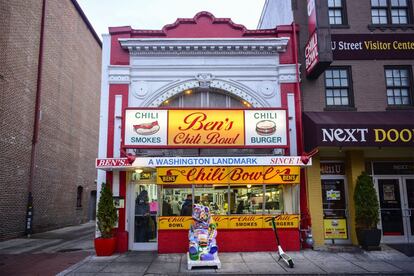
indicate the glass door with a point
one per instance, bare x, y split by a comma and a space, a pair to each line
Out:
408, 208
335, 210
144, 217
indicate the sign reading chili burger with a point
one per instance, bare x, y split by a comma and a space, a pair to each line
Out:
198, 128
228, 175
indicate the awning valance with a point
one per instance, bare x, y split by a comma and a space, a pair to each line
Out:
342, 128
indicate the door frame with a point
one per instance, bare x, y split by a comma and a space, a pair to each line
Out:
136, 246
407, 237
407, 213
347, 217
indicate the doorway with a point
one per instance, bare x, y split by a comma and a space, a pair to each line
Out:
396, 199
143, 217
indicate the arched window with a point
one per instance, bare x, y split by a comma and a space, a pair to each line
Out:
79, 197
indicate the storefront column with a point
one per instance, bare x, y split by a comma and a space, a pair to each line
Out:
355, 165
315, 200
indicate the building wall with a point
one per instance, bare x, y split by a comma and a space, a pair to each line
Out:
68, 128
368, 80
270, 19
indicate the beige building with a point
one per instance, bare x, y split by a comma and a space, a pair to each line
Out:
50, 63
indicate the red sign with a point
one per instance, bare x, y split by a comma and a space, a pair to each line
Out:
311, 16
311, 53
112, 162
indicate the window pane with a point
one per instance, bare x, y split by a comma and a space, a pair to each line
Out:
329, 82
390, 93
329, 101
174, 199
398, 100
383, 20
337, 93
335, 73
215, 198
383, 3
345, 101
337, 101
404, 92
388, 73
332, 20
329, 93
274, 199
246, 199
337, 82
328, 73
374, 3
338, 3
344, 93
406, 100
397, 92
390, 100
330, 3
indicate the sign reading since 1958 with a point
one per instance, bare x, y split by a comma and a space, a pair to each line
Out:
177, 128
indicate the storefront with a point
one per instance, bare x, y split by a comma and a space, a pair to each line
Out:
204, 111
243, 198
379, 143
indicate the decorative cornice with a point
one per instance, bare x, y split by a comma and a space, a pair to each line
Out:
214, 46
119, 74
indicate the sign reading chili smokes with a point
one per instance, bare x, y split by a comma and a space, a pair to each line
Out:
178, 128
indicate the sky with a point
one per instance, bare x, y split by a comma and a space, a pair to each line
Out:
154, 14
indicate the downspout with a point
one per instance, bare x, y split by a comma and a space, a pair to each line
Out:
305, 217
29, 212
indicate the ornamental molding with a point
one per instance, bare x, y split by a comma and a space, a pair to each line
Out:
287, 73
119, 75
203, 47
231, 87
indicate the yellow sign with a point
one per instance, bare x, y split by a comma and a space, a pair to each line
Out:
205, 127
174, 223
232, 222
335, 229
228, 175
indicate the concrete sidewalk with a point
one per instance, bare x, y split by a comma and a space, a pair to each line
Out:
309, 262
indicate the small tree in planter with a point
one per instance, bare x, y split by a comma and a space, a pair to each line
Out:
366, 213
106, 220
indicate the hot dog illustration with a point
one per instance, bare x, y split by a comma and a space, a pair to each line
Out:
147, 128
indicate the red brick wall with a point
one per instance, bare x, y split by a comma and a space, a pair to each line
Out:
68, 133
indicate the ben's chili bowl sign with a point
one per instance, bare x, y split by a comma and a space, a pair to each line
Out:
177, 128
228, 175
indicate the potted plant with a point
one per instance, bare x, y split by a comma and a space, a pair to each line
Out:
366, 213
106, 219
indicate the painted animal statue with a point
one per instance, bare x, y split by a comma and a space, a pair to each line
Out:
202, 235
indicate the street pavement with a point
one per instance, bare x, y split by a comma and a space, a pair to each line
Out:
47, 253
69, 251
325, 261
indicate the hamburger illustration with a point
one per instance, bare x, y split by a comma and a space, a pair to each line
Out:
147, 128
265, 127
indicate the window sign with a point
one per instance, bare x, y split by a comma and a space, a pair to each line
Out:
333, 195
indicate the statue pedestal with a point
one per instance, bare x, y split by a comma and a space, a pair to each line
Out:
215, 262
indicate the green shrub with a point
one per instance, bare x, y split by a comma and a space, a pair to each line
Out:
366, 203
106, 215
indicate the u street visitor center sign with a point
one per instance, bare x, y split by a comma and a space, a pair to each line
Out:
201, 128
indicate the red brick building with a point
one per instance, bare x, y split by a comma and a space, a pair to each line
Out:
50, 64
